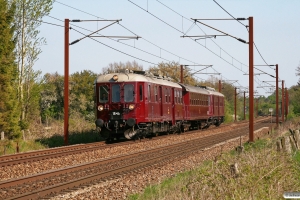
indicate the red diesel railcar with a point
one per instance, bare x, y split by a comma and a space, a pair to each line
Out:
135, 104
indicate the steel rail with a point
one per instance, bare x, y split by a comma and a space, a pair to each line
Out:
191, 145
33, 156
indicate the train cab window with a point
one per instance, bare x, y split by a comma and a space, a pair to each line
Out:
169, 94
208, 101
141, 92
175, 96
115, 93
103, 94
149, 93
128, 93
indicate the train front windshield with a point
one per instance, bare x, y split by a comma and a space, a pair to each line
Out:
128, 93
115, 93
103, 94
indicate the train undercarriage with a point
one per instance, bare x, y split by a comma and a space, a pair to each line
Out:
117, 129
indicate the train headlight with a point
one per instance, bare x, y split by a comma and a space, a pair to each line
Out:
100, 108
131, 107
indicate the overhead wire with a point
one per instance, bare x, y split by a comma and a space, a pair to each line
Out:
147, 40
178, 29
210, 38
204, 45
180, 57
117, 49
246, 29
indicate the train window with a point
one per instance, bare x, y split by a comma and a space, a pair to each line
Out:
103, 94
175, 96
169, 94
149, 93
141, 92
208, 101
166, 94
201, 99
155, 93
115, 93
128, 93
180, 96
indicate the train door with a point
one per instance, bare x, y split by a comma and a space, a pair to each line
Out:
141, 100
173, 106
160, 100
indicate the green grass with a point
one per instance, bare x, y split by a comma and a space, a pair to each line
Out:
264, 174
10, 146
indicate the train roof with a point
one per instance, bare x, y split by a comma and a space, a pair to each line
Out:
190, 88
201, 89
136, 77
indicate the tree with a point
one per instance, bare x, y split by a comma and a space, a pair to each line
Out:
27, 20
298, 73
52, 99
115, 67
82, 93
9, 114
172, 70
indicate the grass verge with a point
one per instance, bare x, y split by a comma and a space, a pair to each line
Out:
263, 173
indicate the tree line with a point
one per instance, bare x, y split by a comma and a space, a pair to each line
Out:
27, 97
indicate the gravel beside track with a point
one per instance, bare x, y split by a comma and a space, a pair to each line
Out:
26, 169
135, 182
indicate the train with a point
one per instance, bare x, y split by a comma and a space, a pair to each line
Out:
136, 104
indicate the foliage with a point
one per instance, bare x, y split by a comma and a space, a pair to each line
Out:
116, 67
9, 114
82, 93
27, 20
298, 73
172, 70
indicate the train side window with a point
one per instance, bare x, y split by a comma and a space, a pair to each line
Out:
180, 95
208, 100
166, 95
201, 99
141, 92
155, 93
149, 93
169, 94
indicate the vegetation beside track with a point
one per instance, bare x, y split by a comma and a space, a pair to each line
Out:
264, 173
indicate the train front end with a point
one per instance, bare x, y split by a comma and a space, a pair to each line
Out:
116, 106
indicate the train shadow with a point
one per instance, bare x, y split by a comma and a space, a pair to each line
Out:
84, 137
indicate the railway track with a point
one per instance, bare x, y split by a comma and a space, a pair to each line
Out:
52, 182
33, 156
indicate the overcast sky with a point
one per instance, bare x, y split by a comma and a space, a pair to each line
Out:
160, 24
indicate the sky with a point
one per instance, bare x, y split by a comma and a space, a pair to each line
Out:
161, 23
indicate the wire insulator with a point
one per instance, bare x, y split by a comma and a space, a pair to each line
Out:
241, 40
76, 20
240, 18
74, 42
